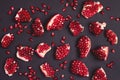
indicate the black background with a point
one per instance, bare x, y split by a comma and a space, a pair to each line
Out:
91, 61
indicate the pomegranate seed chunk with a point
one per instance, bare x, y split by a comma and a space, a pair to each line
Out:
42, 49
23, 16
90, 8
99, 75
24, 53
76, 28
84, 46
11, 66
62, 51
38, 29
47, 70
111, 36
96, 27
79, 68
56, 22
101, 52
7, 40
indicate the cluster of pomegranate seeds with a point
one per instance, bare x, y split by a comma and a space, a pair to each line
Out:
44, 8
47, 70
24, 53
63, 65
23, 15
111, 36
90, 8
37, 27
7, 40
99, 74
11, 66
110, 64
72, 3
56, 22
76, 28
62, 51
97, 27
101, 52
79, 68
11, 10
42, 49
84, 46
31, 75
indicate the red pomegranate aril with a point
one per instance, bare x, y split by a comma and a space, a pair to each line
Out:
46, 13
102, 12
11, 27
9, 12
32, 7
37, 9
7, 52
20, 73
44, 5
66, 4
64, 9
33, 11
63, 37
4, 29
117, 19
53, 44
48, 7
31, 39
57, 70
110, 64
52, 34
62, 76
112, 18
61, 1
72, 78
78, 15
12, 8
107, 8
113, 50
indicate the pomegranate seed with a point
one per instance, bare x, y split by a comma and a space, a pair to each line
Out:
62, 41
110, 64
57, 70
31, 7
8, 52
52, 34
61, 65
53, 44
42, 10
62, 76
20, 74
9, 12
117, 19
25, 27
46, 13
111, 17
107, 8
67, 4
64, 67
31, 39
63, 37
48, 8
102, 12
61, 1
74, 8
11, 27
37, 9
113, 50
65, 62
4, 29
64, 9
29, 67
72, 78
55, 78
12, 8
33, 11
78, 15
25, 74
44, 5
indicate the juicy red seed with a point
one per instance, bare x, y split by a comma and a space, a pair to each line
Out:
29, 67
61, 1
62, 76
61, 65
66, 4
25, 74
65, 62
31, 7
20, 74
42, 10
78, 15
62, 41
57, 70
33, 11
52, 34
9, 12
48, 8
25, 26
44, 5
107, 8
64, 67
64, 9
4, 29
55, 78
111, 17
31, 39
53, 44
72, 78
74, 8
37, 9
117, 19
11, 27
12, 8
63, 37
110, 64
8, 52
46, 13
113, 50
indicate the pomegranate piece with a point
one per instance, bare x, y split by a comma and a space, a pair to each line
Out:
76, 28
84, 45
90, 8
37, 27
47, 70
111, 36
97, 27
62, 51
23, 16
11, 66
56, 22
101, 52
99, 74
42, 49
7, 40
79, 68
25, 53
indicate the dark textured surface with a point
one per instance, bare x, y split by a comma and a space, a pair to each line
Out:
91, 62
